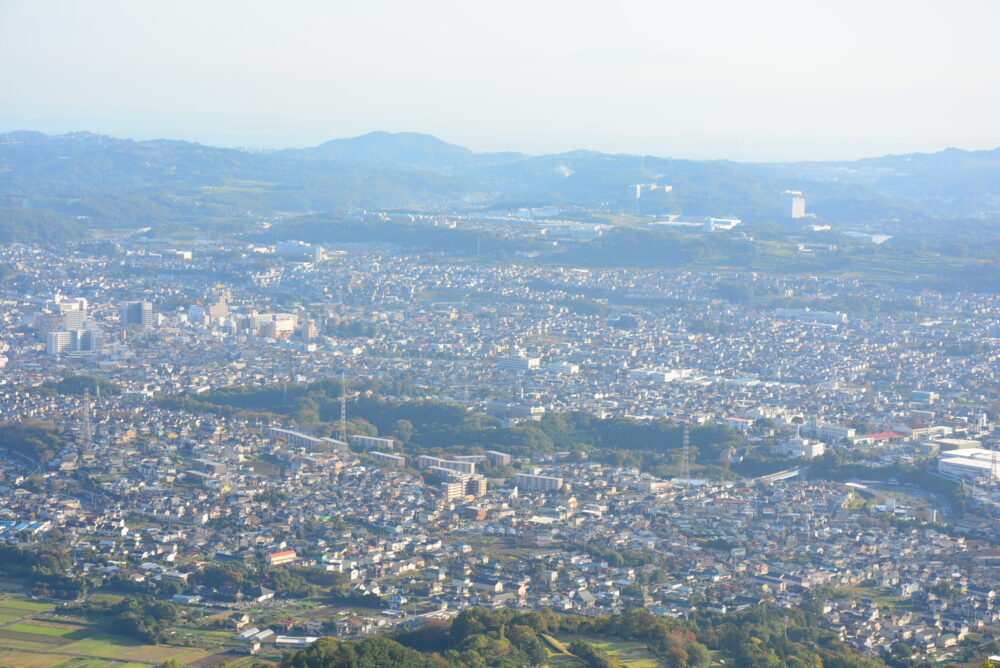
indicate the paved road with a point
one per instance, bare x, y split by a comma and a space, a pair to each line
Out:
38, 467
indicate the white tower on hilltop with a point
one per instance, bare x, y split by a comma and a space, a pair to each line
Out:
796, 204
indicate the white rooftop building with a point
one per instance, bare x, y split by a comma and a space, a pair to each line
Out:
970, 464
803, 447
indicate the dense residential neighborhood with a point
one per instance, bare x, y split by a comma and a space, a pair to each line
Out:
442, 334
245, 447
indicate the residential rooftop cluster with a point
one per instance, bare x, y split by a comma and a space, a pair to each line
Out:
820, 373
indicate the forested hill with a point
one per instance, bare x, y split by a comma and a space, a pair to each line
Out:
103, 181
762, 637
113, 182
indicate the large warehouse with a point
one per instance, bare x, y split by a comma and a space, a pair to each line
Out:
970, 464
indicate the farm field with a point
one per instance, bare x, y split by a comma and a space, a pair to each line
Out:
32, 636
630, 654
559, 656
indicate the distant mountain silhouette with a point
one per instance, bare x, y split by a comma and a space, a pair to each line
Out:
401, 149
111, 181
106, 181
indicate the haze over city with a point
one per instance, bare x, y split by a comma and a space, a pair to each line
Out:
761, 81
323, 346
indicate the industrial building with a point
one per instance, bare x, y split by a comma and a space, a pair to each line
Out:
973, 464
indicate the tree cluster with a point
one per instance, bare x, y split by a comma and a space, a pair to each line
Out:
40, 441
45, 569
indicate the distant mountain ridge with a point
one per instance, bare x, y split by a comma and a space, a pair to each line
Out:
401, 149
111, 181
107, 181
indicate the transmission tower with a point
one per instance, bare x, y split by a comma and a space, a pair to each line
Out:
686, 453
343, 407
87, 431
994, 462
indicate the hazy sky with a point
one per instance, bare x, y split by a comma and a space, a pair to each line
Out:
740, 79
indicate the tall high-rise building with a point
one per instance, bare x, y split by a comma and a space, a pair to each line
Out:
74, 319
796, 204
137, 314
88, 341
58, 343
74, 342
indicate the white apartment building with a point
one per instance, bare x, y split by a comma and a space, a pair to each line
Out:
537, 483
